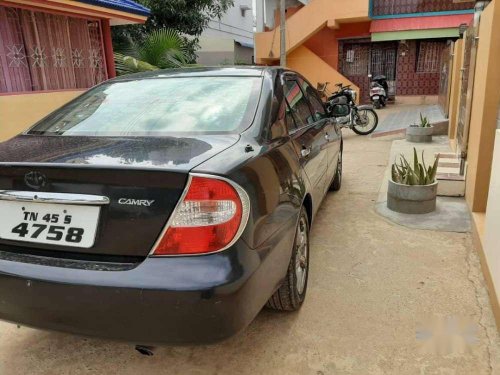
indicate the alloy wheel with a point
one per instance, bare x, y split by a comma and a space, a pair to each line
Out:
302, 255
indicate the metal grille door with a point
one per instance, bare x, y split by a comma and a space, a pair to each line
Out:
360, 59
383, 62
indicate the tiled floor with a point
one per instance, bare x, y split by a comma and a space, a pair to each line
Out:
396, 117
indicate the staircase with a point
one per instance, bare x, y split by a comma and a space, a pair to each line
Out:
451, 182
314, 68
310, 19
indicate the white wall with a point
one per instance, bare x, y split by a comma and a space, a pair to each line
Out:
217, 42
271, 5
233, 25
491, 244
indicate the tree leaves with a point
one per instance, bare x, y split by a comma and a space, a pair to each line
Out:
188, 17
128, 64
161, 49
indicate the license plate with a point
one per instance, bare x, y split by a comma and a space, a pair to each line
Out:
48, 223
375, 97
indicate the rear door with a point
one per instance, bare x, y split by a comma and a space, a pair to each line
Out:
332, 130
308, 135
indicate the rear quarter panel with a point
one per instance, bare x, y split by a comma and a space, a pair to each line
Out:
270, 173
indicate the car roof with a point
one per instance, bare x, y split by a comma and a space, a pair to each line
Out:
243, 71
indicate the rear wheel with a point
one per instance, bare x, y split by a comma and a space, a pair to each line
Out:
365, 122
291, 294
376, 104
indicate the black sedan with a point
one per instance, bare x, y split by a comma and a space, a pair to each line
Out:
166, 207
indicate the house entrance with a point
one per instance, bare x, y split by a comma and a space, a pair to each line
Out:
361, 58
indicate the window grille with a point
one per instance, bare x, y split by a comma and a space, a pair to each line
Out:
429, 57
355, 61
42, 51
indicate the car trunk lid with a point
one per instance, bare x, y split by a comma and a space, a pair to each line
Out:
143, 179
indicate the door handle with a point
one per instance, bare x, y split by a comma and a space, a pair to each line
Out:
305, 151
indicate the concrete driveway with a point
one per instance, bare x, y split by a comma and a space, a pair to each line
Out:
371, 284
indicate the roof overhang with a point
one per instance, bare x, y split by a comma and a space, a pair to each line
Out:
418, 27
415, 34
116, 16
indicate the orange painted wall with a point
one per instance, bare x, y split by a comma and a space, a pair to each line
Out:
325, 42
289, 12
315, 69
20, 111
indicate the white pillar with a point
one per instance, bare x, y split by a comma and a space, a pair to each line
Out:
259, 15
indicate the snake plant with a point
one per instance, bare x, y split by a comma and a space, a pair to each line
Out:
416, 174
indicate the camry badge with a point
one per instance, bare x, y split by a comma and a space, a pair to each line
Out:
135, 202
35, 180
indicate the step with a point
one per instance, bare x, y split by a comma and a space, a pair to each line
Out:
451, 182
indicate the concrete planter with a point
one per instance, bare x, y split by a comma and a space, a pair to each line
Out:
411, 199
419, 134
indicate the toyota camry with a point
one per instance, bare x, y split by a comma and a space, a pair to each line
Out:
166, 207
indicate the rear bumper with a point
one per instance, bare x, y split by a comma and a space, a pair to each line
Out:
181, 300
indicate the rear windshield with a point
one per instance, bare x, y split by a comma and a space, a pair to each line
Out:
160, 106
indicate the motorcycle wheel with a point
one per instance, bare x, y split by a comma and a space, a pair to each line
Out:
376, 104
366, 122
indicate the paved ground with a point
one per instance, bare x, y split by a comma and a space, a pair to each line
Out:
451, 214
400, 116
371, 283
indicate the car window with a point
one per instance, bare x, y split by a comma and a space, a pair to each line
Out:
298, 103
317, 105
159, 106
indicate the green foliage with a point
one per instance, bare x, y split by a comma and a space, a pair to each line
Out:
418, 174
188, 17
160, 49
163, 48
424, 122
128, 64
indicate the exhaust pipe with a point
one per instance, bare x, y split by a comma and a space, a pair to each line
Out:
145, 350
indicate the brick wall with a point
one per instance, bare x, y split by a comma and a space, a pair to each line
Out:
408, 81
393, 7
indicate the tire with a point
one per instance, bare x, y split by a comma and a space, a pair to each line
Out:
372, 119
292, 292
376, 104
337, 180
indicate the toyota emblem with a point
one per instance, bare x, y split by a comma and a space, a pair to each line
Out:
35, 180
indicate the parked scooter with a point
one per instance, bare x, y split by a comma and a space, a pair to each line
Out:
379, 90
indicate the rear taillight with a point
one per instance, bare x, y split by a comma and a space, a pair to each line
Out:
209, 218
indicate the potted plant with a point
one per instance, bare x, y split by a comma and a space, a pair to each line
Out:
412, 188
421, 132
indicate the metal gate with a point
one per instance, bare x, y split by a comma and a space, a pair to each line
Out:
354, 62
383, 62
358, 59
445, 78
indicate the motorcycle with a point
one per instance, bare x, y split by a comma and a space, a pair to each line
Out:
379, 91
341, 105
